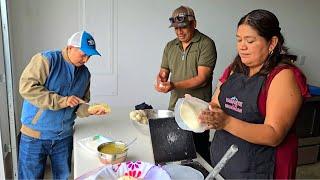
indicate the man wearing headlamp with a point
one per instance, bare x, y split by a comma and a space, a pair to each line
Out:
190, 59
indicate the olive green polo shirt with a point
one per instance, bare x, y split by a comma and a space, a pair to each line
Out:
183, 65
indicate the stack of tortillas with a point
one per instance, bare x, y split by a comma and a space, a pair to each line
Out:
187, 111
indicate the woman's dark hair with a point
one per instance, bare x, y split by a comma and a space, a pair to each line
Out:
267, 25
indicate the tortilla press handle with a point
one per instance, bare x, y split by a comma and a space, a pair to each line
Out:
230, 152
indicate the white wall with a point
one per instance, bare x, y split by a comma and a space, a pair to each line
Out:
132, 47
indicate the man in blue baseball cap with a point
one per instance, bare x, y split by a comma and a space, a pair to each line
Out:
85, 42
55, 86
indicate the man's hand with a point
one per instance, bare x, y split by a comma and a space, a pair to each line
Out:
73, 101
163, 76
167, 86
162, 81
158, 86
164, 87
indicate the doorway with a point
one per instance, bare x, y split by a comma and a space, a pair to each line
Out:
8, 138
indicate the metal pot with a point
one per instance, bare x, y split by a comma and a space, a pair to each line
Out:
156, 114
152, 114
112, 152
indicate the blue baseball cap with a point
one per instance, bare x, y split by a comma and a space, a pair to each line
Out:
85, 42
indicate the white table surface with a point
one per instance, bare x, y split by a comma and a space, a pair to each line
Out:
116, 126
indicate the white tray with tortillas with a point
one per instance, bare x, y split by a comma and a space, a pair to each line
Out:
187, 111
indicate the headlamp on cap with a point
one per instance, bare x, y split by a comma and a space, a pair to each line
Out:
181, 18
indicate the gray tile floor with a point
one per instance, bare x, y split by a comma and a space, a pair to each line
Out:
311, 171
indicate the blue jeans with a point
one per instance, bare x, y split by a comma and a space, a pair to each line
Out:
33, 154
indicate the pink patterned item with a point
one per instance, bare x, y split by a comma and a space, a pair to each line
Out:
136, 169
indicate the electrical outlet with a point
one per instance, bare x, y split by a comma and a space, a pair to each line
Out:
301, 60
2, 78
7, 148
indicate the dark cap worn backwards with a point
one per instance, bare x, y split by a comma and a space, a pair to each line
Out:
181, 17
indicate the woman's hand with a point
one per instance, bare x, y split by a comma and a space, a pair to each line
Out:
214, 117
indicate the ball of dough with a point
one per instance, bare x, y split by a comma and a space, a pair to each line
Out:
139, 116
132, 115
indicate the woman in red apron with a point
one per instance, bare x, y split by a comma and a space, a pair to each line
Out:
256, 103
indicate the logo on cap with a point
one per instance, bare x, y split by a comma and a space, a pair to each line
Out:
85, 42
91, 42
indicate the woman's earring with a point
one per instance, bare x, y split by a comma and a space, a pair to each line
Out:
271, 52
